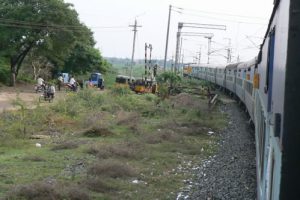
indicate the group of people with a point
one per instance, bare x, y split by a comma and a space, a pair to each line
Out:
47, 88
43, 86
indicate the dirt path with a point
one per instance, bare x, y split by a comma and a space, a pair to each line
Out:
25, 92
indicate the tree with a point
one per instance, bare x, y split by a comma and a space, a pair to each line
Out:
50, 27
85, 58
168, 82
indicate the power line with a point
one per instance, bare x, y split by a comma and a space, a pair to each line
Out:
32, 25
219, 13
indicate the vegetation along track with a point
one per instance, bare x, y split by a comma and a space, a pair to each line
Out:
112, 145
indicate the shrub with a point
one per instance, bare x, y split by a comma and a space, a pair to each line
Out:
97, 132
35, 191
111, 168
98, 185
65, 145
120, 91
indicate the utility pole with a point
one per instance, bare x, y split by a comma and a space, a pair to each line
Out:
167, 39
208, 48
199, 59
228, 50
180, 25
180, 51
133, 48
146, 62
195, 25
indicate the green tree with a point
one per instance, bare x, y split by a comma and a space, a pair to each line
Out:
168, 82
49, 27
85, 58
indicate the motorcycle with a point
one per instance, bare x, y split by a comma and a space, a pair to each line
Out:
39, 88
48, 94
73, 88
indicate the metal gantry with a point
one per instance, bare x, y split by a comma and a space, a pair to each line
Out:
195, 25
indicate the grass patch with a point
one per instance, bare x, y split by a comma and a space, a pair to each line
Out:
65, 145
112, 169
97, 132
106, 146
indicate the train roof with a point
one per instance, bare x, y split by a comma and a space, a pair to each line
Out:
208, 65
232, 66
247, 64
276, 4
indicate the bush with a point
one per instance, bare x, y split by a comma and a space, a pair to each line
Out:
120, 91
111, 168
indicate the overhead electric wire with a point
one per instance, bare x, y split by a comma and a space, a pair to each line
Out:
219, 13
183, 11
32, 25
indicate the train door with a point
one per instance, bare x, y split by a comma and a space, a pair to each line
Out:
270, 69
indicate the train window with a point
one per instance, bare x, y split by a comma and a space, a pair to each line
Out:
270, 68
239, 82
240, 70
248, 87
249, 69
270, 59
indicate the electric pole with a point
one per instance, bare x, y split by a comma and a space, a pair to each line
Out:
133, 48
177, 59
195, 25
199, 59
208, 48
167, 39
228, 50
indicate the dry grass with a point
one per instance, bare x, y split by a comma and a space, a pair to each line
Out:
162, 135
98, 132
46, 191
98, 185
188, 100
76, 193
65, 145
34, 158
120, 150
35, 191
111, 168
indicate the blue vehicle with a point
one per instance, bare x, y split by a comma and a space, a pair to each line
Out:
97, 80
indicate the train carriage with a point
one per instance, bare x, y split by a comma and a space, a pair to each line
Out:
230, 74
244, 84
220, 76
211, 74
277, 105
270, 86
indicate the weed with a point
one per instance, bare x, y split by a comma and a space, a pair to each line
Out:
111, 168
121, 150
98, 132
98, 185
35, 191
65, 145
76, 193
120, 91
34, 158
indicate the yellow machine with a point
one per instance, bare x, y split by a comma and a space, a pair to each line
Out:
145, 86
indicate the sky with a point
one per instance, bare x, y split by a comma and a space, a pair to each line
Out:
245, 20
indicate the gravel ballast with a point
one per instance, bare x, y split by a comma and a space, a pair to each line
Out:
231, 172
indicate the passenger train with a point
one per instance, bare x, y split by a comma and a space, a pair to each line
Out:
269, 87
